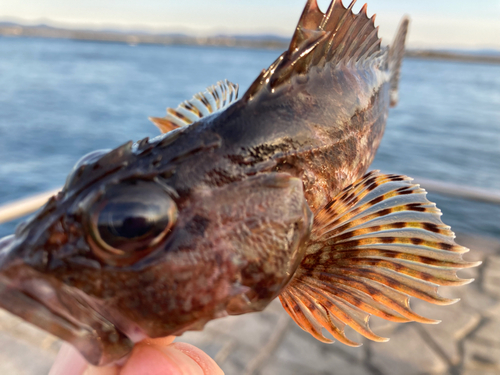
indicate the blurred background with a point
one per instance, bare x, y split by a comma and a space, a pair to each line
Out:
75, 78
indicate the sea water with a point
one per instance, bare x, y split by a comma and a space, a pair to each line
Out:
60, 99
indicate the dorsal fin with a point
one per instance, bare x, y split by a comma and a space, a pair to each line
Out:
338, 36
215, 98
396, 55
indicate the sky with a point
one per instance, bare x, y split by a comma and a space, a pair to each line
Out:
463, 24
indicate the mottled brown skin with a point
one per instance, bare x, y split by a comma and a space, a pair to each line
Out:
245, 183
327, 137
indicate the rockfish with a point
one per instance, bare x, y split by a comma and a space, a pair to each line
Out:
241, 202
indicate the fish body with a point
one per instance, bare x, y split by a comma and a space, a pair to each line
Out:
241, 201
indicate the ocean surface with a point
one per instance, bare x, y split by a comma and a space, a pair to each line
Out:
61, 99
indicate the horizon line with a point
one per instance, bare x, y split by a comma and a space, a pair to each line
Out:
124, 28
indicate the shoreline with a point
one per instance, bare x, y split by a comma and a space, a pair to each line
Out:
212, 41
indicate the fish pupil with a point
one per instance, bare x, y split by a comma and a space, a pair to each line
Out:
134, 227
129, 220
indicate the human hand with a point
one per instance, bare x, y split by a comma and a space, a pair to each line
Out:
151, 357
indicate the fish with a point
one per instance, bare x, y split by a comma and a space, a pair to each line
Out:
241, 201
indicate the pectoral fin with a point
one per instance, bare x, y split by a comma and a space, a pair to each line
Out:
377, 244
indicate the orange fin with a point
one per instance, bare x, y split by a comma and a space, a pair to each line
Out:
215, 98
378, 243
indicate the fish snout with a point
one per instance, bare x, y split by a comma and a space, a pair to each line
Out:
44, 301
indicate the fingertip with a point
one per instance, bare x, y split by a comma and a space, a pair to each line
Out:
148, 358
203, 360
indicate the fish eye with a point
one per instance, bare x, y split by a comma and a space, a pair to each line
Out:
130, 219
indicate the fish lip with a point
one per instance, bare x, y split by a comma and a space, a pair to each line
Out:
40, 301
92, 343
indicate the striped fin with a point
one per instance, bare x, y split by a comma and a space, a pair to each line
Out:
215, 98
377, 244
336, 37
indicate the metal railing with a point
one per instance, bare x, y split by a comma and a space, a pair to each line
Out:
23, 207
459, 191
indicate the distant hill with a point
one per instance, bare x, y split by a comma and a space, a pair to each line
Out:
268, 37
141, 37
244, 41
478, 52
490, 57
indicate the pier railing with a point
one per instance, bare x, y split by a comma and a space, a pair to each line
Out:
23, 207
460, 191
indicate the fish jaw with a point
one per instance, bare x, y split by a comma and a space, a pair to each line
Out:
46, 303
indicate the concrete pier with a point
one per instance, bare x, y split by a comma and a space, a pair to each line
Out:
467, 342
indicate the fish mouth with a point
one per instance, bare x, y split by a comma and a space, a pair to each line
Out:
59, 310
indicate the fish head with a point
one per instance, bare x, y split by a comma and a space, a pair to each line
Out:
120, 255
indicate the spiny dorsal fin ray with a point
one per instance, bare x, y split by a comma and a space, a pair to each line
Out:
396, 55
338, 36
215, 98
377, 244
311, 17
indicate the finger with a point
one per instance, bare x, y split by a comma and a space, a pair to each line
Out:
68, 361
152, 359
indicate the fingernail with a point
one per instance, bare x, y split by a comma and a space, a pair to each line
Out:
111, 370
161, 342
153, 360
203, 360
